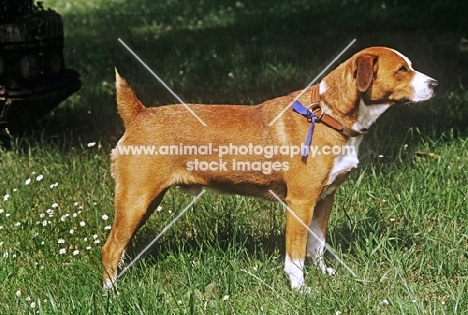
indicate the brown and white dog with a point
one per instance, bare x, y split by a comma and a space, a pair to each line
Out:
346, 103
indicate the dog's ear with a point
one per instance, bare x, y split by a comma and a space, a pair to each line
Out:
364, 72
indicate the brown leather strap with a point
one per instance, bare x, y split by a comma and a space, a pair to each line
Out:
315, 95
328, 120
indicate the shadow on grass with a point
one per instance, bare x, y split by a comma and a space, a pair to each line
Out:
251, 228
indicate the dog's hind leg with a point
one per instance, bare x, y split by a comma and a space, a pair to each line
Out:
133, 206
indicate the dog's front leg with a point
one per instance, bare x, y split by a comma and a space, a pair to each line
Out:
296, 239
318, 229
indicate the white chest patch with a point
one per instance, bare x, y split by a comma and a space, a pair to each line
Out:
348, 159
368, 114
345, 162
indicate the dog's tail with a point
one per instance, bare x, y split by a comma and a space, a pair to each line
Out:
128, 105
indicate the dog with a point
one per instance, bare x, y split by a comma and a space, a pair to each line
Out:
230, 152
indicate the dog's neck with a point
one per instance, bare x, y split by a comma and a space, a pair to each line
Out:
349, 107
368, 114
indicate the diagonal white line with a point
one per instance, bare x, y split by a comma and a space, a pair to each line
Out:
315, 235
162, 82
160, 234
312, 82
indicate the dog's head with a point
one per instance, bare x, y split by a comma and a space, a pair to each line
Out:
384, 75
376, 75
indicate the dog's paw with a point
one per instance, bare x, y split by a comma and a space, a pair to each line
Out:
329, 271
109, 284
323, 267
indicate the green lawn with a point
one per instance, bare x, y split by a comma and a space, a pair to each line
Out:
400, 222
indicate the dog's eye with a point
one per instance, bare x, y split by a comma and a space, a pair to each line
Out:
402, 69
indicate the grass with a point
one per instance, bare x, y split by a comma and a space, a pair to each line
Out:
400, 222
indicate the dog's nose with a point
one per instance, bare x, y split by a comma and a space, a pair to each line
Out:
432, 84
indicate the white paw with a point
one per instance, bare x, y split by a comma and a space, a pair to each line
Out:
110, 283
293, 268
323, 267
330, 271
296, 284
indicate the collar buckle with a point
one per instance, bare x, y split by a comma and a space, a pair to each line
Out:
314, 109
